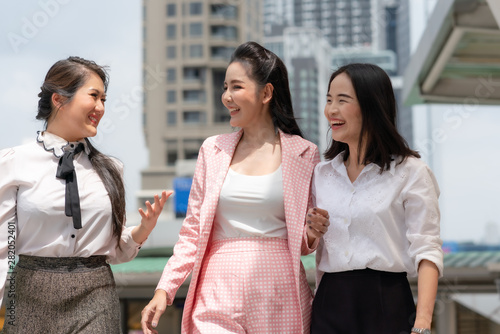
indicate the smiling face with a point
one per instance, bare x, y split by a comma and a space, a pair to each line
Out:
78, 118
247, 104
343, 112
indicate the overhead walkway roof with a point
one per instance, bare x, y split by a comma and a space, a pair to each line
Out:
458, 57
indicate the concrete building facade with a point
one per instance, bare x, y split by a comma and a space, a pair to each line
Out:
188, 44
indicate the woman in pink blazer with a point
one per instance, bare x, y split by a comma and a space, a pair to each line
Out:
245, 230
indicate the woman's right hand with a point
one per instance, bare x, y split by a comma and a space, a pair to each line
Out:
152, 312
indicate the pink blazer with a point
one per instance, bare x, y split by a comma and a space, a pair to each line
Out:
299, 157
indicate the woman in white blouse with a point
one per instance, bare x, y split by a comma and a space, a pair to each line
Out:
62, 212
383, 206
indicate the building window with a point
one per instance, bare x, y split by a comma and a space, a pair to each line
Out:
223, 11
195, 29
171, 158
220, 113
171, 9
171, 96
224, 32
193, 74
191, 154
171, 52
196, 51
277, 48
221, 52
171, 75
195, 8
171, 117
194, 96
191, 148
171, 31
194, 117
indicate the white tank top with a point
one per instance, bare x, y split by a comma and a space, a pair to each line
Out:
251, 206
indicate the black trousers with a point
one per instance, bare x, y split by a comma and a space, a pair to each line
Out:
363, 301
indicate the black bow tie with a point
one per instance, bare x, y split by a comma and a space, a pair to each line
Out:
66, 170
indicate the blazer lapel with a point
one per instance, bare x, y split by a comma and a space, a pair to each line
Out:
218, 163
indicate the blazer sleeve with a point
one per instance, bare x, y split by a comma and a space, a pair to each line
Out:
8, 217
305, 249
182, 261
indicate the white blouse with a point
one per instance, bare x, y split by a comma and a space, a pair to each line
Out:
32, 201
387, 222
251, 206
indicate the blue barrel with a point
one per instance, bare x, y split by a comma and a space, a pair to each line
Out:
182, 187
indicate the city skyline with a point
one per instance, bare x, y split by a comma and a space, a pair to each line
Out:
35, 34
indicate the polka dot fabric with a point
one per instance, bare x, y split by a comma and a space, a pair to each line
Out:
246, 285
299, 157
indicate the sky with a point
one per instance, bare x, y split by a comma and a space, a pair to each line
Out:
461, 144
34, 34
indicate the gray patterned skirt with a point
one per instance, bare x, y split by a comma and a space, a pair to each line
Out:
63, 295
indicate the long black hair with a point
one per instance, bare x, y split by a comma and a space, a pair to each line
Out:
265, 67
378, 109
65, 77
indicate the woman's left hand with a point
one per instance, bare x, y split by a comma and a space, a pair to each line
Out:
318, 221
150, 217
153, 211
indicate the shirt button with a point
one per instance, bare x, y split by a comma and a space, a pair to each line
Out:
73, 236
346, 253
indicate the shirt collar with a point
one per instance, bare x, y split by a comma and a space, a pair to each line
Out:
337, 163
57, 145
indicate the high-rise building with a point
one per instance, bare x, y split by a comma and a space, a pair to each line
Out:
278, 14
375, 31
405, 118
187, 45
307, 55
343, 22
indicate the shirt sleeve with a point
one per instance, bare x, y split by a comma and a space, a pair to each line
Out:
8, 218
181, 264
128, 248
422, 218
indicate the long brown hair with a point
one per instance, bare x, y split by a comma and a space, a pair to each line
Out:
65, 77
378, 109
266, 67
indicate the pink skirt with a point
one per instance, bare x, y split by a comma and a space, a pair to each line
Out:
247, 285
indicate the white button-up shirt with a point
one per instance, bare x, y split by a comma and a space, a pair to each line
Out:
32, 201
385, 221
